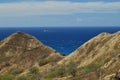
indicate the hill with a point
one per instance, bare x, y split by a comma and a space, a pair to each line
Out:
23, 56
101, 52
21, 50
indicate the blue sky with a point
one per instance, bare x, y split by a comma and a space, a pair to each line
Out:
59, 13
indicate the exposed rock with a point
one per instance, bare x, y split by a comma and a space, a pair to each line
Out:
117, 76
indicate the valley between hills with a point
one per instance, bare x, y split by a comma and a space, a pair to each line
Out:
23, 57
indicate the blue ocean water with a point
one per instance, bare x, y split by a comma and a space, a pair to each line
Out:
63, 39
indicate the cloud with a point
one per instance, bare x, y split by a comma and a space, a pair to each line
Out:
57, 8
79, 19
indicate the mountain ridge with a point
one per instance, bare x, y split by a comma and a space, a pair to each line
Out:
103, 49
21, 48
99, 57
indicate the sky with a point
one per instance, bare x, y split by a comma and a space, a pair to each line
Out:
59, 13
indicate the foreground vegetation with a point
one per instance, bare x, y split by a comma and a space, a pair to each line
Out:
55, 72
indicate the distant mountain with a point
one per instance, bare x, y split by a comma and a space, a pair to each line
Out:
23, 55
21, 50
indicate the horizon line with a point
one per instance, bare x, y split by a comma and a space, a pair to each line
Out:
51, 26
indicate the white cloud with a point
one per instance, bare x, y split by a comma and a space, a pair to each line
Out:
79, 19
57, 8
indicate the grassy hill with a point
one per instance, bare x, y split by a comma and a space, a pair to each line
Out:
23, 57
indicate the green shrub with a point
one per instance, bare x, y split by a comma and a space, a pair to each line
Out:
89, 68
33, 70
22, 78
7, 77
61, 71
71, 69
29, 77
17, 71
57, 73
42, 62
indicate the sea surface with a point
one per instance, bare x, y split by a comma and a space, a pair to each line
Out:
63, 39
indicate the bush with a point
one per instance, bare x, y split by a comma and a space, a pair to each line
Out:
22, 78
57, 73
71, 69
89, 68
17, 71
7, 77
42, 62
34, 70
29, 77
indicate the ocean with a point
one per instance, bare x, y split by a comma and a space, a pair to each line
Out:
63, 39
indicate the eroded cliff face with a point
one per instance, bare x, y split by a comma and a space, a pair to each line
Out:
23, 50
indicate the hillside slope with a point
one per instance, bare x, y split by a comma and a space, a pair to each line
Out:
21, 50
97, 59
103, 49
